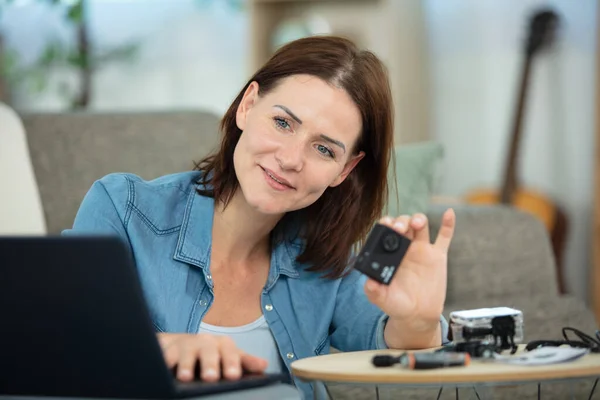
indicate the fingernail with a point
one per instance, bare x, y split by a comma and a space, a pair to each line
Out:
185, 373
209, 373
387, 220
418, 220
400, 225
233, 371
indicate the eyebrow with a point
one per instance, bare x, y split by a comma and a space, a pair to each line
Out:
298, 120
336, 142
291, 114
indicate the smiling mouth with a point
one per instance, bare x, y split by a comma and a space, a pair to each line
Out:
272, 176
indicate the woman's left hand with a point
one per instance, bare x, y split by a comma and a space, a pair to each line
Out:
417, 292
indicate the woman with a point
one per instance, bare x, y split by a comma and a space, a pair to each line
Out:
244, 261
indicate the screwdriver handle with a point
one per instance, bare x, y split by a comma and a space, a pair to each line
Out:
435, 360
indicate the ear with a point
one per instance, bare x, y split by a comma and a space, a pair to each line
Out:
248, 100
348, 168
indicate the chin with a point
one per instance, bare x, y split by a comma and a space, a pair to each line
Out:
267, 207
263, 203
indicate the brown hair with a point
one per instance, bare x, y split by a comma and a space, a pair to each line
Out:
343, 216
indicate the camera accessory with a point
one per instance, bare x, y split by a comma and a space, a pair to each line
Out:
500, 326
423, 360
382, 253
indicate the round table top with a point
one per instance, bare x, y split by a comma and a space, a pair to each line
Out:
356, 367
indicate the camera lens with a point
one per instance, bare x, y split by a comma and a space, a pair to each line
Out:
390, 242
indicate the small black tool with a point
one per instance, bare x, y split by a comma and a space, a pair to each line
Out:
475, 348
503, 330
382, 253
423, 360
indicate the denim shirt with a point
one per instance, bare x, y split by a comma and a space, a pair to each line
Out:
168, 227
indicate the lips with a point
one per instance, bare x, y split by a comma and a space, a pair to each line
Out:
277, 178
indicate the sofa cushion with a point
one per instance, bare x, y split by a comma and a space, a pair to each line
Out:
415, 169
496, 251
71, 150
21, 212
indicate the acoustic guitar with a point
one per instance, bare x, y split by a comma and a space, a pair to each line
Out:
541, 32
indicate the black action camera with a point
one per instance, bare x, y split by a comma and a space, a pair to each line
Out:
382, 253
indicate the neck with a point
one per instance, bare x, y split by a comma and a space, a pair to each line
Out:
241, 234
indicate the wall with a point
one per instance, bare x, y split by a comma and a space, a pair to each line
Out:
475, 55
192, 54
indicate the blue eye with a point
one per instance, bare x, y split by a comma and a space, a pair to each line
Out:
325, 151
281, 123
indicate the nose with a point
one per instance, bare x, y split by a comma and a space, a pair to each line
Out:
290, 155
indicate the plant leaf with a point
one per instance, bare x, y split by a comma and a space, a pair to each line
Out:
75, 13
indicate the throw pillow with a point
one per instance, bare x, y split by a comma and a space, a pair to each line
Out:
415, 177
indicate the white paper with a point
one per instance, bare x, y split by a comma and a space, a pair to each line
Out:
543, 355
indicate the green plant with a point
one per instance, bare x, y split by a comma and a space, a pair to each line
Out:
81, 58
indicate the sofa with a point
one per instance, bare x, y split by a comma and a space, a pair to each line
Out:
499, 256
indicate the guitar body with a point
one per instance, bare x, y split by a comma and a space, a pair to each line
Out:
511, 193
532, 202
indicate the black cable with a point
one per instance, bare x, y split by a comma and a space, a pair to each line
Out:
585, 341
592, 343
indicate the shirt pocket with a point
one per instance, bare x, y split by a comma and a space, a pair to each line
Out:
323, 346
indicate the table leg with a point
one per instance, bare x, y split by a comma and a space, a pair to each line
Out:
485, 396
593, 388
439, 393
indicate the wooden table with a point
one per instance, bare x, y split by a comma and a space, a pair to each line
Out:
356, 368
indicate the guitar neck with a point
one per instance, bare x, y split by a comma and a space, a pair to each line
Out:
509, 183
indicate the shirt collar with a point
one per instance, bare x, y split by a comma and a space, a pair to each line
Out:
195, 238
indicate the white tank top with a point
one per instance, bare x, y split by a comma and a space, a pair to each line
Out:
254, 338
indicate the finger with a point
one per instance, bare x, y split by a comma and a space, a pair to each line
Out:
375, 291
171, 355
446, 231
387, 220
399, 224
210, 361
253, 364
187, 360
166, 339
420, 226
230, 359
402, 226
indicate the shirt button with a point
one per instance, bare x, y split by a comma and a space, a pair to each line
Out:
208, 277
268, 307
203, 302
290, 355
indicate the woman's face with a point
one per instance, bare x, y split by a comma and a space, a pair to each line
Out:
296, 141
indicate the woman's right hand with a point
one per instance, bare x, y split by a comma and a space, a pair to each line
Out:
217, 354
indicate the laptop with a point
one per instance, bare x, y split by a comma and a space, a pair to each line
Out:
74, 322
